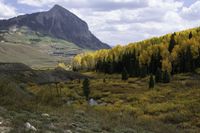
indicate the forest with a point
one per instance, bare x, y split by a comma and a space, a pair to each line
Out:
161, 56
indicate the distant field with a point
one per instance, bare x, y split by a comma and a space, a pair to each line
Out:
34, 49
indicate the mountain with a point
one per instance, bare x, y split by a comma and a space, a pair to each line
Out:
59, 23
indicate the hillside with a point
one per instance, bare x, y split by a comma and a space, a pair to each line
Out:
59, 23
34, 49
170, 54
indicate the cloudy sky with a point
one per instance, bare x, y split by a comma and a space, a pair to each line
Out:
118, 21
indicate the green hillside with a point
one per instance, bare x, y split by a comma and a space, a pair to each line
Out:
36, 50
173, 53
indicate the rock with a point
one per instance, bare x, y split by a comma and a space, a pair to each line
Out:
4, 126
51, 126
45, 115
30, 127
73, 125
68, 131
92, 102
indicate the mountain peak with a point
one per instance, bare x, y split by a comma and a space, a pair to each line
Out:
57, 8
59, 23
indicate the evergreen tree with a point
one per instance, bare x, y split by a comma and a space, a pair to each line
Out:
166, 77
86, 88
158, 76
172, 43
190, 35
104, 80
151, 81
124, 74
188, 60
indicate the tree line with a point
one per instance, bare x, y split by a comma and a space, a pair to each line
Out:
161, 56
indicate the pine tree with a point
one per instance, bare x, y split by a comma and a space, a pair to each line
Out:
172, 43
190, 35
166, 77
151, 81
86, 88
124, 74
188, 60
158, 76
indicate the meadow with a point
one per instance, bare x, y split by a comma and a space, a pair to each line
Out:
123, 106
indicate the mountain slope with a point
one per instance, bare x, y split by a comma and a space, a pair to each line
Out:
60, 23
170, 54
33, 49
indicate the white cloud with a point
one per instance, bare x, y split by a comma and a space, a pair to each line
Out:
38, 3
192, 12
6, 11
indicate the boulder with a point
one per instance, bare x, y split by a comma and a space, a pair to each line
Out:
29, 127
92, 102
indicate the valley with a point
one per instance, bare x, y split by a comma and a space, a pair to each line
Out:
56, 76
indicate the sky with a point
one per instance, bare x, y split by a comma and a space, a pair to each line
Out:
118, 21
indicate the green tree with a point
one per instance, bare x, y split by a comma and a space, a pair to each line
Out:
166, 77
190, 35
86, 88
172, 43
158, 76
151, 81
124, 74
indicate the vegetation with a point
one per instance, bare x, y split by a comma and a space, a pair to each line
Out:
86, 88
173, 53
124, 74
158, 76
122, 106
151, 81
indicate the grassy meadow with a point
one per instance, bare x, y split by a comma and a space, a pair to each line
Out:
123, 106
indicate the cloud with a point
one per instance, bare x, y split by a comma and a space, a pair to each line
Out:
99, 5
6, 11
125, 21
192, 12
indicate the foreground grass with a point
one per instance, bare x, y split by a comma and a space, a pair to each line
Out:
123, 106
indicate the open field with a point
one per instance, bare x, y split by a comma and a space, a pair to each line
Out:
123, 106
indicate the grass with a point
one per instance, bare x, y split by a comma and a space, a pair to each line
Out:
34, 49
124, 106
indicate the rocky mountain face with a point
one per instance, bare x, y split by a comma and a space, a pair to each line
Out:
60, 23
